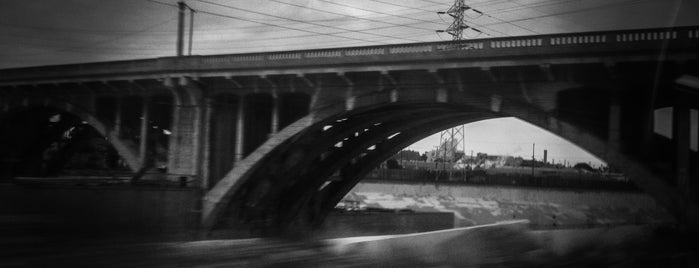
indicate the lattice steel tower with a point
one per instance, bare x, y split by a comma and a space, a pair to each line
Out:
450, 141
457, 27
453, 139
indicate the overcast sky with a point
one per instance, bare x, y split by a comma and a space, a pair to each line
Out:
53, 32
69, 31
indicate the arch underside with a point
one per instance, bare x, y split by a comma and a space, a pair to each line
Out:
298, 182
125, 150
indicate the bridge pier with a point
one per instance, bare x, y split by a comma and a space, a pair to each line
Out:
257, 119
680, 135
145, 125
274, 128
187, 135
684, 129
223, 136
117, 115
239, 125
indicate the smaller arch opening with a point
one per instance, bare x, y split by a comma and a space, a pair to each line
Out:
43, 142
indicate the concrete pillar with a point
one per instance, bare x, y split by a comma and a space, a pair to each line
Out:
694, 131
441, 94
681, 136
222, 133
185, 142
206, 145
173, 146
317, 88
614, 127
350, 99
239, 125
117, 117
394, 95
143, 142
275, 113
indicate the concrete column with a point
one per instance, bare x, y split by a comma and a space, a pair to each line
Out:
143, 144
680, 135
694, 131
206, 144
117, 117
350, 99
441, 94
614, 128
185, 142
317, 88
239, 125
275, 113
173, 148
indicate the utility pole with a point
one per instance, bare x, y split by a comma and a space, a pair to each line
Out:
191, 29
182, 6
533, 146
180, 28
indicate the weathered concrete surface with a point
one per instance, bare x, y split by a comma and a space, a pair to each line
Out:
94, 211
544, 208
497, 245
383, 223
512, 244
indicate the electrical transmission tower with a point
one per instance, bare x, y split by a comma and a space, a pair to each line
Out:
450, 141
453, 139
457, 27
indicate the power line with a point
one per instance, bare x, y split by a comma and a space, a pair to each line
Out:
291, 28
519, 6
392, 4
44, 41
498, 19
314, 33
106, 41
379, 12
576, 11
372, 20
300, 21
304, 21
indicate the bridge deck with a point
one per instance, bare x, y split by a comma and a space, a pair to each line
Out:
504, 49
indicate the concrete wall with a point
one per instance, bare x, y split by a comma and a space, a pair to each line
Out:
544, 208
118, 210
381, 223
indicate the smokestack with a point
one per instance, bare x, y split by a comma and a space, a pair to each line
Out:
545, 155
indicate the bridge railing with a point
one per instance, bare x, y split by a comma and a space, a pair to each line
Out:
611, 41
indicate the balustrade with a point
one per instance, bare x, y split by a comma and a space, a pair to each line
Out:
194, 62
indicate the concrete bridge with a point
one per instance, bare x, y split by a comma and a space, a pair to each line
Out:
262, 133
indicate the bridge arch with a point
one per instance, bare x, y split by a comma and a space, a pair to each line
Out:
285, 182
74, 115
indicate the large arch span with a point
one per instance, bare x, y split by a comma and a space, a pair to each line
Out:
294, 179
